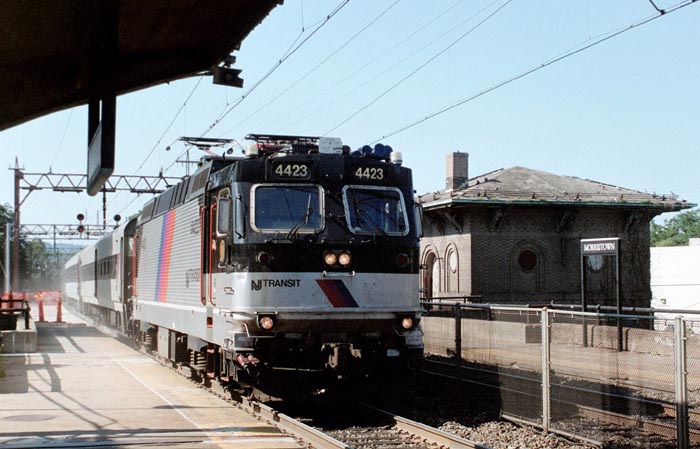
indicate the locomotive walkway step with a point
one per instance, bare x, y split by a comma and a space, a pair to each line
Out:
84, 389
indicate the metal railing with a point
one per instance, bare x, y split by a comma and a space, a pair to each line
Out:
562, 370
9, 312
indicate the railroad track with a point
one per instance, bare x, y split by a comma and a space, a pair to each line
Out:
384, 430
377, 429
651, 416
361, 426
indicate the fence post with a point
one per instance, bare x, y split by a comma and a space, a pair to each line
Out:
25, 304
546, 412
458, 336
682, 429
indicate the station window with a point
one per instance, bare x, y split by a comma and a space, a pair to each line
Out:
595, 262
527, 260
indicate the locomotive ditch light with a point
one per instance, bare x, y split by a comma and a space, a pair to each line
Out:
330, 258
263, 258
266, 322
402, 260
407, 323
344, 259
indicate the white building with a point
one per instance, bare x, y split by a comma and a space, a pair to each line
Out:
675, 279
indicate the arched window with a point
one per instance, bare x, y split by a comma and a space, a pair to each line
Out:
430, 279
452, 269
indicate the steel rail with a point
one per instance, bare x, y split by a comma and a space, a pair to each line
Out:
427, 433
649, 425
292, 426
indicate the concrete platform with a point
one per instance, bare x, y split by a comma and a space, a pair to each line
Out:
20, 340
85, 389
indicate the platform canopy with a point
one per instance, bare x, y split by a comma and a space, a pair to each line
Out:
57, 54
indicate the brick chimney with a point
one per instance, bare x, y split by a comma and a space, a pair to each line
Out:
457, 169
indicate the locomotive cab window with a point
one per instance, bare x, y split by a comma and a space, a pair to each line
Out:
375, 210
287, 207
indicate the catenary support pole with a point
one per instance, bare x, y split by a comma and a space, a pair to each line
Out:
15, 229
8, 270
546, 352
458, 337
682, 429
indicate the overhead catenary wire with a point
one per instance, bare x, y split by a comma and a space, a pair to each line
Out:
419, 68
286, 54
388, 69
172, 121
160, 139
63, 136
285, 57
314, 68
290, 51
579, 49
411, 34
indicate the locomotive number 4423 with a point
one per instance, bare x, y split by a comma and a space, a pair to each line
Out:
292, 171
370, 173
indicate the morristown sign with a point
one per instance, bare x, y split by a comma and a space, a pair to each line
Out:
609, 247
601, 247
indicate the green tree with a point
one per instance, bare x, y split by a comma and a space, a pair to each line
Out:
676, 231
37, 266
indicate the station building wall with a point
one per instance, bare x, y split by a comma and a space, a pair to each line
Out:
531, 255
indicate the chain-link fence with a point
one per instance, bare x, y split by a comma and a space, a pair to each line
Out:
602, 377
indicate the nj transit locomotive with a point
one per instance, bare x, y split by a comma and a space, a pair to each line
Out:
299, 257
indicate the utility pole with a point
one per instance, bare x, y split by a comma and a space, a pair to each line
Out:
15, 229
8, 229
104, 209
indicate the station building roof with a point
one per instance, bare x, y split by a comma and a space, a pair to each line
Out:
47, 49
528, 187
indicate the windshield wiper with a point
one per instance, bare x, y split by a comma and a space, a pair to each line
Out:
384, 213
359, 213
292, 234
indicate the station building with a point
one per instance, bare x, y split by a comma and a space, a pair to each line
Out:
512, 236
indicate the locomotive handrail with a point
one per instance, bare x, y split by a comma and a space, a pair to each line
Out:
202, 214
212, 211
134, 266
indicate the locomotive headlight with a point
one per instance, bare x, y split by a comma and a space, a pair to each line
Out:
266, 323
344, 259
407, 322
330, 258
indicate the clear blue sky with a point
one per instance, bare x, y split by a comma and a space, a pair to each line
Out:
624, 112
